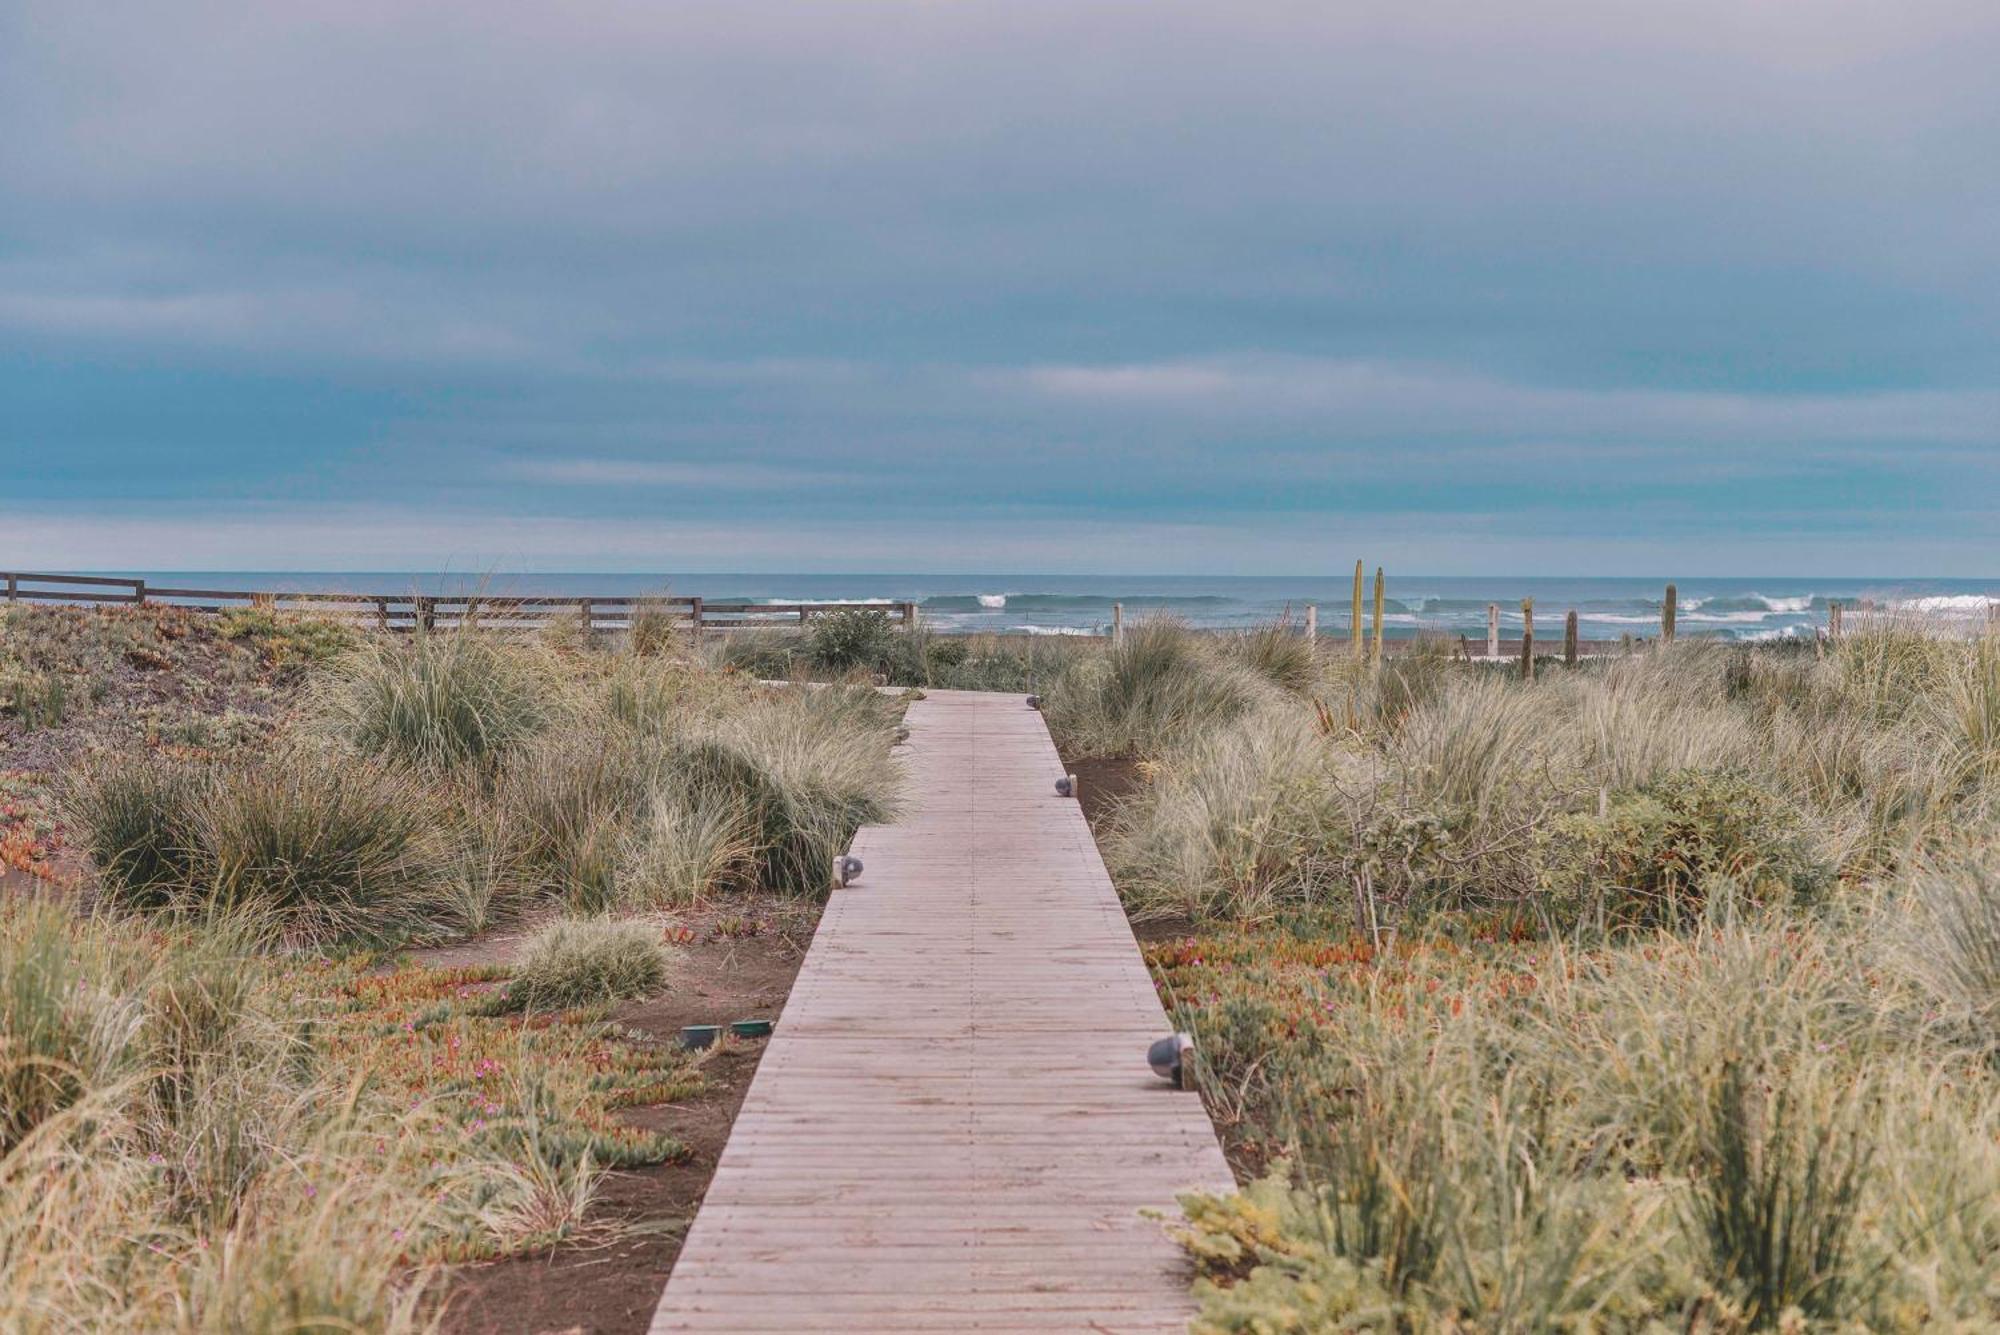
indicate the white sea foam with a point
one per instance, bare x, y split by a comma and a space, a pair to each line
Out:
1950, 604
1055, 630
993, 600
1802, 603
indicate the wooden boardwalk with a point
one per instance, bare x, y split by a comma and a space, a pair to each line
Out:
954, 1128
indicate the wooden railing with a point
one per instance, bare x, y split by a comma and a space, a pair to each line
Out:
403, 611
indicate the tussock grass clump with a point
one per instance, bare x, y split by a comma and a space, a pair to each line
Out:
698, 791
334, 851
1161, 686
136, 821
331, 850
442, 701
576, 962
1279, 654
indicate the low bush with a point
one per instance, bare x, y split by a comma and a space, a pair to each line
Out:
576, 962
284, 638
851, 639
1655, 854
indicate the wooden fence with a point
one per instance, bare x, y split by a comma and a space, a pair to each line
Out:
403, 611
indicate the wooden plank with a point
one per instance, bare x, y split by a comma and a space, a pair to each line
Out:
954, 1127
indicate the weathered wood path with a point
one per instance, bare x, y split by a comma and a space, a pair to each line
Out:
954, 1128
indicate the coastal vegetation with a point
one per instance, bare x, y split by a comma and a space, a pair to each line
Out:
237, 1090
1655, 993
1661, 991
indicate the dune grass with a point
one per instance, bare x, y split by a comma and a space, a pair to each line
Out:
1654, 994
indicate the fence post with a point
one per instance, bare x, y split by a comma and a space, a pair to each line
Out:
1992, 618
1569, 639
588, 615
1312, 622
909, 616
1833, 620
382, 614
1354, 616
139, 592
427, 611
1118, 623
805, 614
694, 617
1667, 611
1527, 639
13, 586
1492, 630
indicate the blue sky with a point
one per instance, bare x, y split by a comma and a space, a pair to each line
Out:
1606, 288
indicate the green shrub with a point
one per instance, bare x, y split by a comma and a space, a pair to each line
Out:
851, 639
441, 700
284, 638
575, 962
1656, 853
943, 653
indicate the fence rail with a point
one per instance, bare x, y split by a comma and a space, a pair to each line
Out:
403, 611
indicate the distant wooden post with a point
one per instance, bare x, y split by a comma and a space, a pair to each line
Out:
1527, 639
1378, 616
1569, 639
13, 586
909, 616
694, 617
1312, 622
1833, 621
427, 612
1667, 610
588, 615
139, 592
1492, 630
1992, 618
1354, 615
1118, 623
382, 614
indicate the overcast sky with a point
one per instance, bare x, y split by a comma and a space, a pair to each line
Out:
1709, 287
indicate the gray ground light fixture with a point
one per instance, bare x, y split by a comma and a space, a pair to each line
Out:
1066, 786
1034, 702
1169, 1058
847, 870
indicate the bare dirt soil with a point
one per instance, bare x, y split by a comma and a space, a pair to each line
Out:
740, 966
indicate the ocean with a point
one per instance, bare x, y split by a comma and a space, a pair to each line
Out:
1750, 608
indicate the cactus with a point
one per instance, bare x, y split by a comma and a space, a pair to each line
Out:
1378, 616
1667, 610
1354, 614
